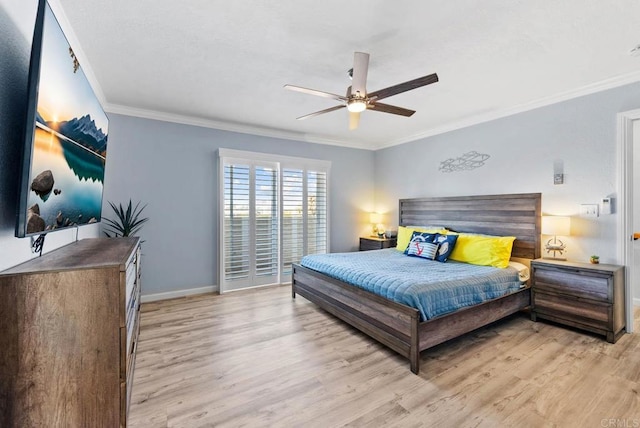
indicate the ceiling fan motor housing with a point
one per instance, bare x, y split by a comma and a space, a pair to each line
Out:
360, 100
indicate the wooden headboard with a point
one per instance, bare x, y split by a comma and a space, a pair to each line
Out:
503, 215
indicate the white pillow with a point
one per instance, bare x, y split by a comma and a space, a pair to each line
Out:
523, 271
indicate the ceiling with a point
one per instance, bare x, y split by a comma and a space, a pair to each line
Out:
223, 64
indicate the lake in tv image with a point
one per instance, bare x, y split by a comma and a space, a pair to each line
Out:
76, 174
70, 140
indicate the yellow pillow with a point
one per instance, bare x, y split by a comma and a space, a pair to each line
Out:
483, 250
404, 235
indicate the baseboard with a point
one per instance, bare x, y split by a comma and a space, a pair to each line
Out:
636, 302
178, 293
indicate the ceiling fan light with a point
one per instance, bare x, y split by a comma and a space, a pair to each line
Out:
356, 106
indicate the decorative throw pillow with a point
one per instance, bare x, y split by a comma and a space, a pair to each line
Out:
406, 232
419, 237
446, 244
484, 250
426, 250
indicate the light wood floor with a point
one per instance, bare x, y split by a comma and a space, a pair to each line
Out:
259, 358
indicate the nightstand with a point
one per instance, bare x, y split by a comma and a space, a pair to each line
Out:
373, 243
582, 295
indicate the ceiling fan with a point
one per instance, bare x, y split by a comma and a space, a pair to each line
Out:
358, 100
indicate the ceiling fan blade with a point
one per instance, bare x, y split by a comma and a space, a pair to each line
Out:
318, 113
360, 69
354, 120
386, 108
404, 87
315, 92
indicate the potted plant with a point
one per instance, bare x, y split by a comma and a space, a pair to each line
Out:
128, 221
594, 259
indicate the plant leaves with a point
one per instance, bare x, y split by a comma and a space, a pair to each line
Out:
127, 222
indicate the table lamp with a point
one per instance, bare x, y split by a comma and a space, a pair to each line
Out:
376, 220
556, 226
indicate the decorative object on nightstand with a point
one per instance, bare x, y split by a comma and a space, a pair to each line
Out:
378, 227
373, 243
390, 234
594, 260
581, 295
556, 226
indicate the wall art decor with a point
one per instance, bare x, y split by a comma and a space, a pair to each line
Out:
466, 162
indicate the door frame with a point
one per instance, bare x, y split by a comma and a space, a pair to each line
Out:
625, 205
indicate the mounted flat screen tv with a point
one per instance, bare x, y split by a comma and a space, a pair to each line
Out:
65, 144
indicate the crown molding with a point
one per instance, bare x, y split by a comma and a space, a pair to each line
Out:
233, 127
603, 85
319, 139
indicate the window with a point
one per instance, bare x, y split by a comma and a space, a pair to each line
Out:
304, 215
274, 210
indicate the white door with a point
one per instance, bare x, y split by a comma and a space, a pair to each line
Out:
635, 286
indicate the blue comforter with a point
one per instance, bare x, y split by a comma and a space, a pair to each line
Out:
432, 287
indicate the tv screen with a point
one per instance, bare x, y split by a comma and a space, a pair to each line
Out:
65, 139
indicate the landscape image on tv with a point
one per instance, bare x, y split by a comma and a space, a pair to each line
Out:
70, 141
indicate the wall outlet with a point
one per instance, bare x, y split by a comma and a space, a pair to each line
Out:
589, 210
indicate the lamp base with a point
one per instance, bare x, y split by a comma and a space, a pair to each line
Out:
554, 246
560, 259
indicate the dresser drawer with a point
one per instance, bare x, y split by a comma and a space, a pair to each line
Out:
575, 283
131, 278
124, 404
588, 313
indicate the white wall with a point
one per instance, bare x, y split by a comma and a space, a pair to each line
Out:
173, 168
523, 148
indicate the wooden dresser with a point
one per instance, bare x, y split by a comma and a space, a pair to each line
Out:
69, 323
582, 295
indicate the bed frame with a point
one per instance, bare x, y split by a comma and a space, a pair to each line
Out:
398, 326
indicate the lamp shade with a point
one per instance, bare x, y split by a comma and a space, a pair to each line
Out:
556, 225
375, 218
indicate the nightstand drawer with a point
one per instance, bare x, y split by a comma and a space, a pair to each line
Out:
588, 313
590, 286
372, 243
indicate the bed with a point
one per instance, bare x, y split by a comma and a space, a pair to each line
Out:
399, 326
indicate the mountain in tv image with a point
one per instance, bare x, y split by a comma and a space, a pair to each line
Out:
82, 131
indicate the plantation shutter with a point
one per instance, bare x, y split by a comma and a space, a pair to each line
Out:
304, 217
293, 247
237, 226
317, 228
274, 211
266, 255
250, 225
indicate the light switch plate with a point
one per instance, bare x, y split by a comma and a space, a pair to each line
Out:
589, 210
558, 178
